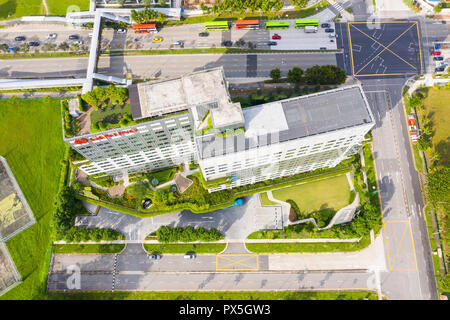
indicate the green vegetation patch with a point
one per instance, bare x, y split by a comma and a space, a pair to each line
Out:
11, 9
59, 7
324, 196
286, 295
87, 248
185, 248
265, 200
33, 146
308, 247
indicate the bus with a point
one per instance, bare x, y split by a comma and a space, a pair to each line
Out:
247, 24
144, 28
277, 25
217, 26
301, 23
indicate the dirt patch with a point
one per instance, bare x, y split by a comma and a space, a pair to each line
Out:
116, 191
182, 182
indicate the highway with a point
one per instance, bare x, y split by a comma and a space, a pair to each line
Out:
147, 66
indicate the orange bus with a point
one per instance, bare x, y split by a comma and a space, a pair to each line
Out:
144, 28
247, 24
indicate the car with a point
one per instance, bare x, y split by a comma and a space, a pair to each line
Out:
34, 43
51, 36
20, 38
74, 37
329, 30
227, 43
271, 43
438, 58
325, 25
435, 53
439, 69
203, 34
189, 256
276, 37
79, 42
323, 48
121, 30
157, 39
333, 35
154, 257
178, 43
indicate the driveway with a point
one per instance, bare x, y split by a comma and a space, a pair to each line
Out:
234, 223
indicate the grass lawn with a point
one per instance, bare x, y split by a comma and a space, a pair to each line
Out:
88, 248
265, 200
163, 176
59, 7
33, 146
110, 113
326, 196
185, 248
308, 247
19, 8
437, 109
286, 295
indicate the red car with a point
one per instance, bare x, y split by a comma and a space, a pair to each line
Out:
276, 37
435, 53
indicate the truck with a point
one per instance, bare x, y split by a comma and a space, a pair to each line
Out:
310, 29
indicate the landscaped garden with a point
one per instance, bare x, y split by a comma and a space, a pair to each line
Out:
185, 248
368, 218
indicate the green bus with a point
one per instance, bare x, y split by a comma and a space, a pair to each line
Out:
277, 25
301, 23
217, 26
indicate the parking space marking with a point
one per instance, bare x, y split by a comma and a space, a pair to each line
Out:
399, 246
237, 262
385, 48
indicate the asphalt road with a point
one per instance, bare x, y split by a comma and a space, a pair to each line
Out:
407, 249
235, 65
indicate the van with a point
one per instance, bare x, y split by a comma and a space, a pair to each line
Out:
310, 29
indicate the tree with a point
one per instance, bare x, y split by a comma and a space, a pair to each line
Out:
25, 47
295, 75
121, 2
275, 74
423, 144
299, 4
63, 46
4, 47
438, 186
437, 8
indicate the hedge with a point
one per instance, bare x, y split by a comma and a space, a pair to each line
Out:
188, 234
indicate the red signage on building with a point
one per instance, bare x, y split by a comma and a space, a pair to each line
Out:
107, 135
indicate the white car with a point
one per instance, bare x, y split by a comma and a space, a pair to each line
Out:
178, 43
121, 30
51, 36
80, 42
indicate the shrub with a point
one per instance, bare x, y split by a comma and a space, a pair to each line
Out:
188, 234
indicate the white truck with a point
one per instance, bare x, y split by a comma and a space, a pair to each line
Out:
310, 29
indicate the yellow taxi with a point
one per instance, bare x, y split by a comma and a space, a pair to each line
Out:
157, 39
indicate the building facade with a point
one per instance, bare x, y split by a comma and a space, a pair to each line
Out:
192, 118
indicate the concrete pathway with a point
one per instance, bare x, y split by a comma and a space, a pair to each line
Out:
235, 223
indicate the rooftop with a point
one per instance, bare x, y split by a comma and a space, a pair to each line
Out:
206, 87
293, 118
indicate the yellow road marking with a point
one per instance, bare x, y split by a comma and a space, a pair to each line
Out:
385, 48
351, 47
399, 243
237, 262
420, 48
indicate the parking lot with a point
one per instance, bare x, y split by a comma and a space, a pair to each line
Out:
388, 48
298, 39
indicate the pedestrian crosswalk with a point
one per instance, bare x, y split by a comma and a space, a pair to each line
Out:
338, 7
